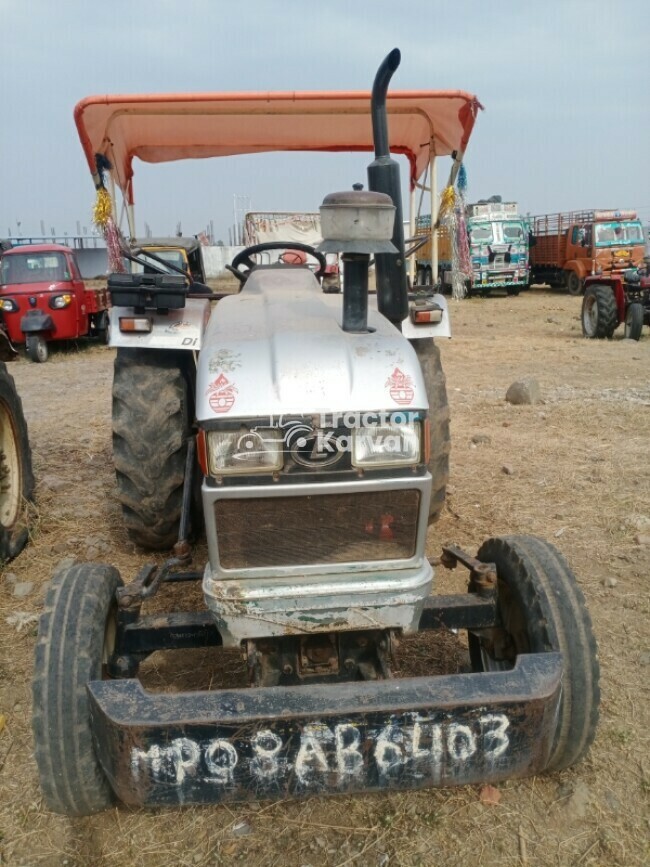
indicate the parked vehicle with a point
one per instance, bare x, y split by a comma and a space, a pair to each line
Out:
567, 248
180, 253
611, 301
261, 227
322, 442
423, 264
44, 298
499, 239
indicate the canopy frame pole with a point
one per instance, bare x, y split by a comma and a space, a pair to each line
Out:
411, 263
433, 187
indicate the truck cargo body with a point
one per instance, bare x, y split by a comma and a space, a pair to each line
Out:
423, 272
570, 246
261, 227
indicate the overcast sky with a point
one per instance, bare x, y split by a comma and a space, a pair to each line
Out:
565, 85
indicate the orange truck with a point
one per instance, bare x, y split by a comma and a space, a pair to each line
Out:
567, 248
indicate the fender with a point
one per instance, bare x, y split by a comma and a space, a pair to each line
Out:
432, 329
35, 320
177, 329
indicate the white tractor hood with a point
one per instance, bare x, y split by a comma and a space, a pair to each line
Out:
278, 348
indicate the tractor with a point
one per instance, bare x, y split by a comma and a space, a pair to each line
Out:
308, 434
620, 298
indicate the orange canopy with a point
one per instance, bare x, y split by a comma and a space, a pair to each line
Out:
164, 127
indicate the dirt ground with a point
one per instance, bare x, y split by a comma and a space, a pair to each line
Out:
579, 475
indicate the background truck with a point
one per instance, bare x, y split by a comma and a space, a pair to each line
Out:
498, 238
263, 227
423, 267
570, 246
499, 242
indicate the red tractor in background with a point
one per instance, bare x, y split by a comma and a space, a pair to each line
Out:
609, 301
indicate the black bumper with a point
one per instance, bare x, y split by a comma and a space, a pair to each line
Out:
35, 321
166, 749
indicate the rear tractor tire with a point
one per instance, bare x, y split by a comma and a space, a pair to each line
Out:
634, 321
599, 313
542, 610
151, 425
16, 476
439, 437
76, 637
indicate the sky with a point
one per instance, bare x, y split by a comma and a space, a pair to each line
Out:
565, 85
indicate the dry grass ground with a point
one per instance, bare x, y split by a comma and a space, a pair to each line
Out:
580, 477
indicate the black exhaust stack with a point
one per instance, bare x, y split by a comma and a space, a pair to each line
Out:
383, 177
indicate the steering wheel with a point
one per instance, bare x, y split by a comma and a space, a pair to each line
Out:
244, 257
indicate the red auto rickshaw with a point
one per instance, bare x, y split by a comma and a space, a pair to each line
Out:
43, 298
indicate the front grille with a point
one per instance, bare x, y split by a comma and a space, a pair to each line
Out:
327, 528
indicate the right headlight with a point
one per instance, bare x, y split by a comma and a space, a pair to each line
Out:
387, 445
244, 451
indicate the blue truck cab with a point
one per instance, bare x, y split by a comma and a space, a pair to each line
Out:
499, 245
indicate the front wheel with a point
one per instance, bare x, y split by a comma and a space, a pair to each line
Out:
542, 609
16, 477
574, 284
599, 312
634, 321
513, 290
76, 637
36, 346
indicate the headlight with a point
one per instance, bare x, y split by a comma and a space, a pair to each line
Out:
244, 451
387, 445
8, 305
58, 302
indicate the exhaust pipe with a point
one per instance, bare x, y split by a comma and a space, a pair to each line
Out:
383, 177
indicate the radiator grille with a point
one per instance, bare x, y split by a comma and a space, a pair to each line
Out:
330, 528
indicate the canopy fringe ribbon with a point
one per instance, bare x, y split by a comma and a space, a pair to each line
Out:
103, 217
452, 217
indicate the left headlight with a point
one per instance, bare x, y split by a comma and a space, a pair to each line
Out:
387, 445
8, 305
244, 451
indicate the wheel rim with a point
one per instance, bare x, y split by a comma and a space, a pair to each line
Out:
500, 647
41, 349
10, 469
590, 315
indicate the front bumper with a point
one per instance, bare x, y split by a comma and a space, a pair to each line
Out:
161, 749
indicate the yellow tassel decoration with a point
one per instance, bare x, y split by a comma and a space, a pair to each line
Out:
447, 200
102, 209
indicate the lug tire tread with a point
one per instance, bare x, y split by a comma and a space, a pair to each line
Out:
150, 429
557, 619
440, 438
68, 655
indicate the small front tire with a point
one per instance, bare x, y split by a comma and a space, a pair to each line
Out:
36, 346
542, 609
634, 321
75, 639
